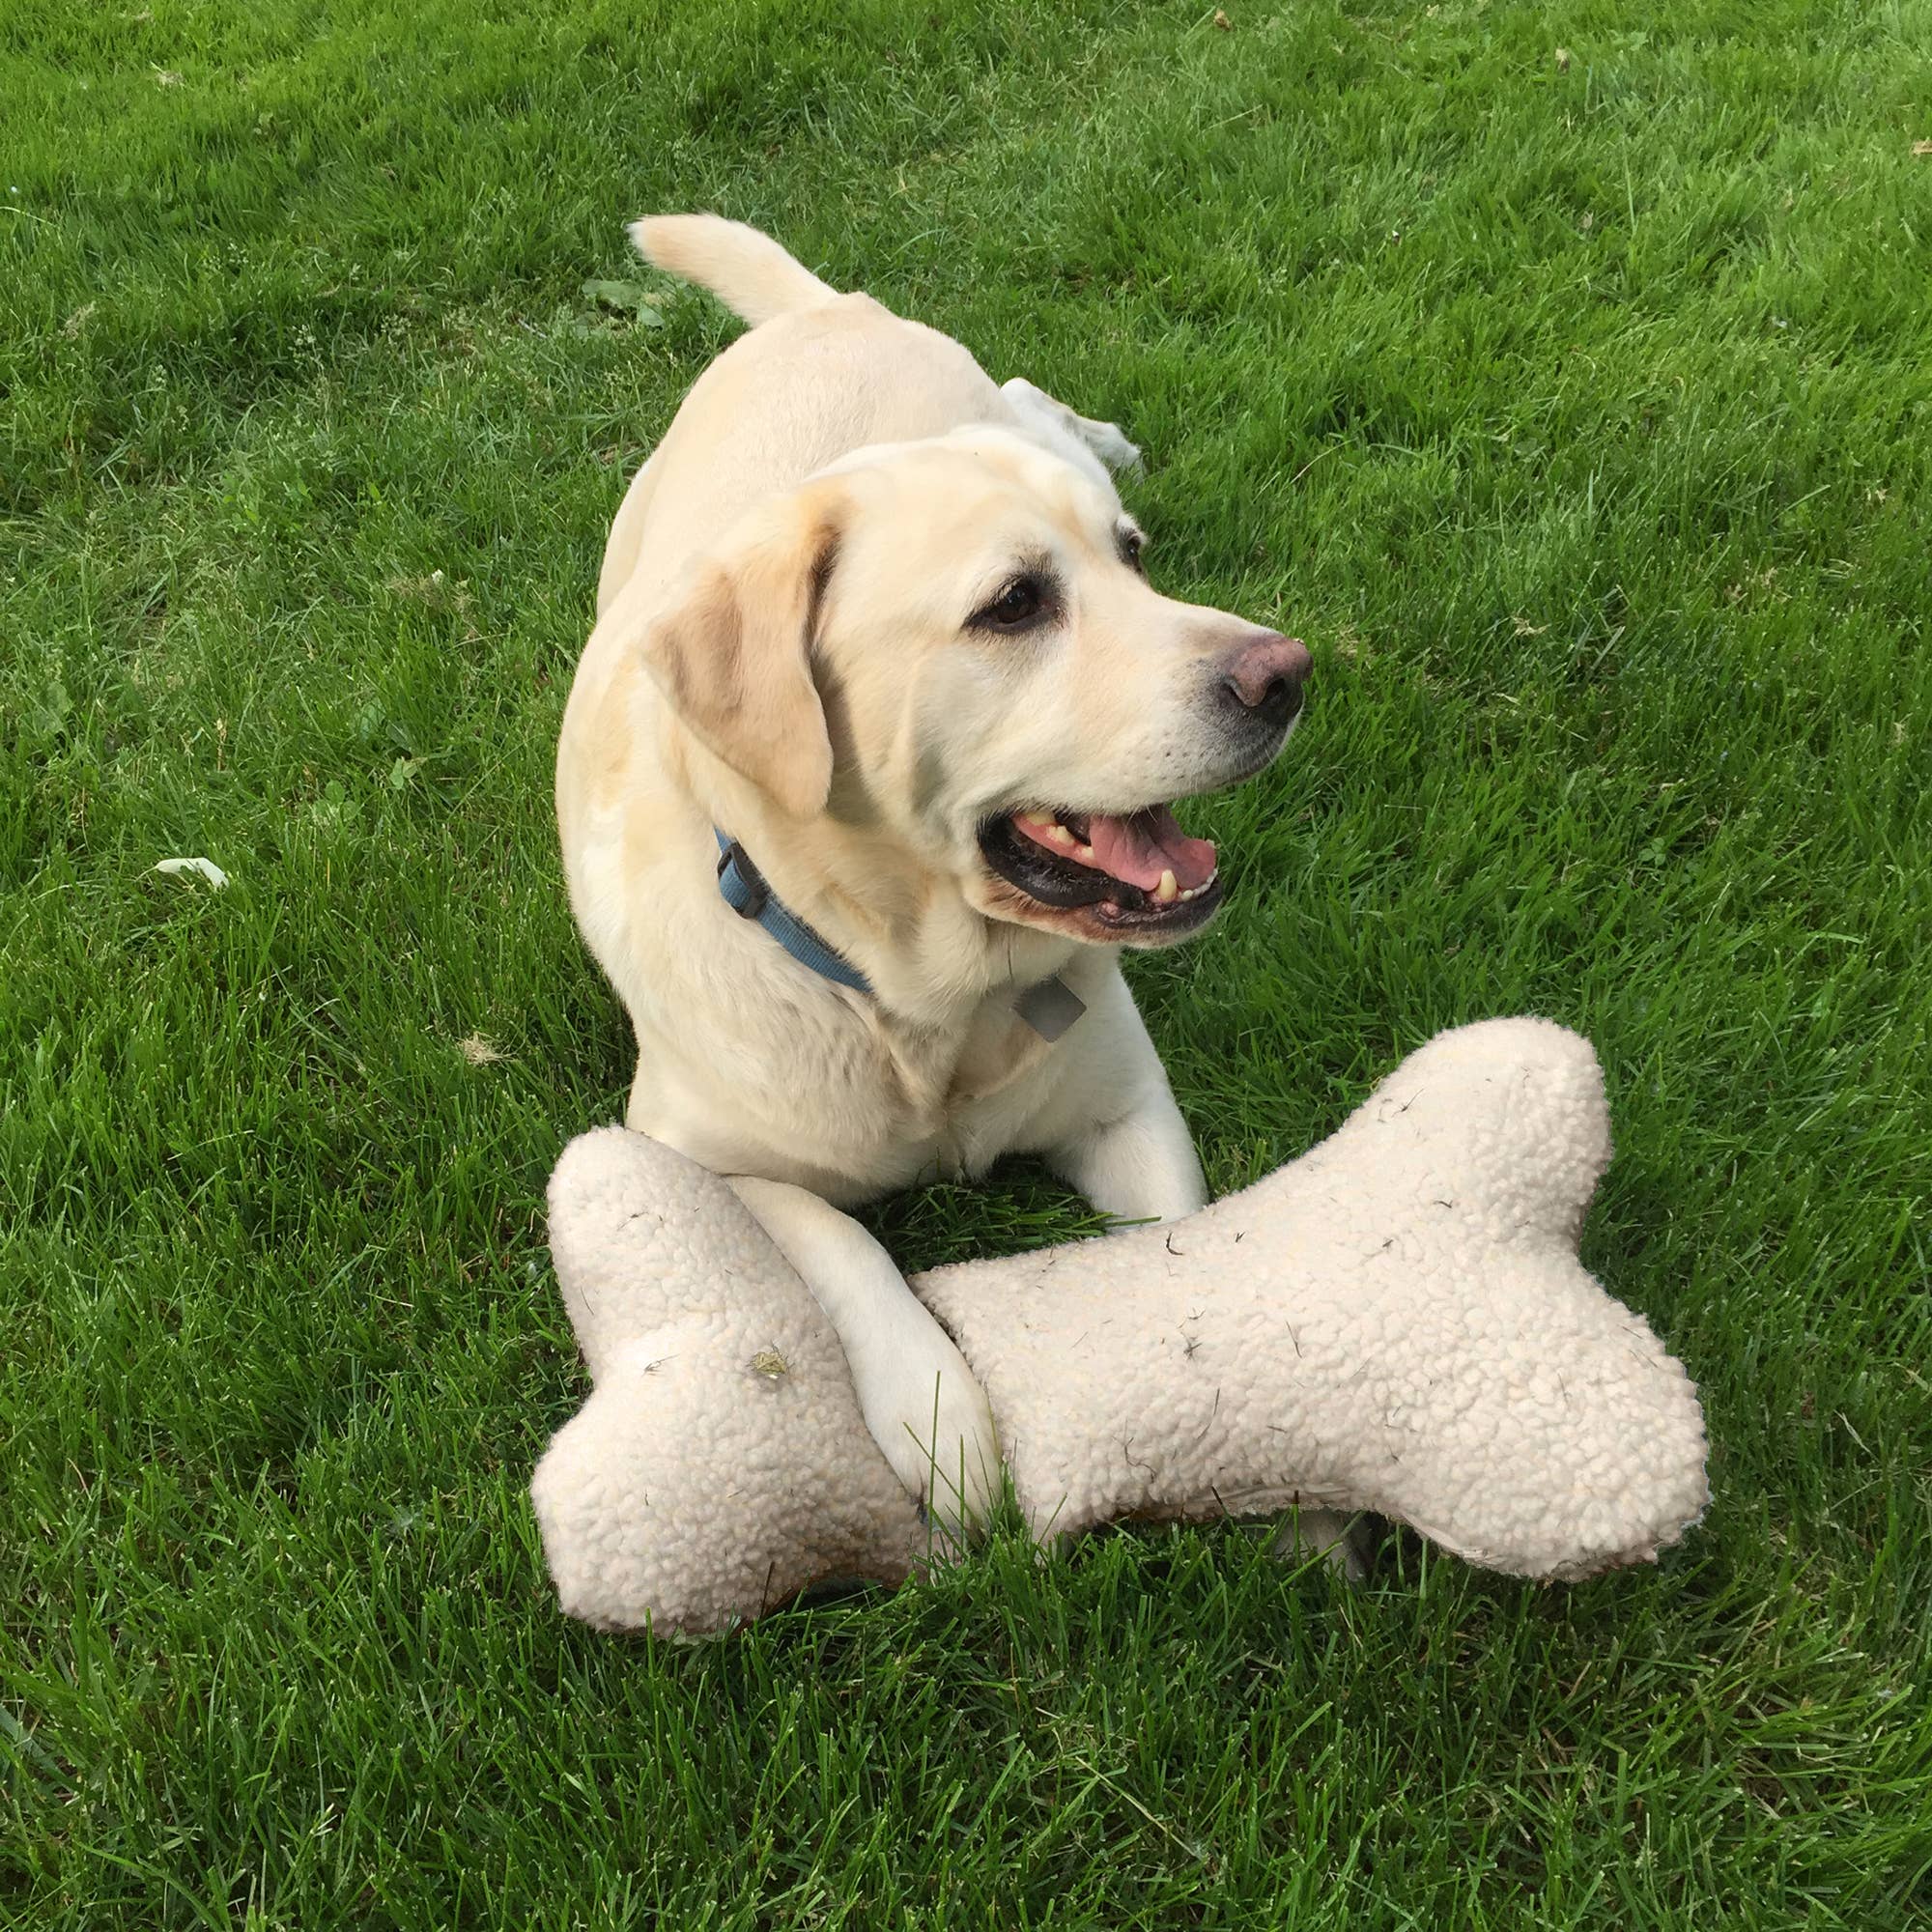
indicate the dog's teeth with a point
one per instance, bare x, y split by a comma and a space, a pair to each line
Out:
1059, 834
1083, 853
1167, 892
1040, 818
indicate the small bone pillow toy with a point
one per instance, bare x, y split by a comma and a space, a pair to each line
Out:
1396, 1322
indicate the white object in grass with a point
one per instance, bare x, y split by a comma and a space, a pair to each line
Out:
205, 869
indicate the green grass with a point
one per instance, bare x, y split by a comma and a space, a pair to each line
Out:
1576, 410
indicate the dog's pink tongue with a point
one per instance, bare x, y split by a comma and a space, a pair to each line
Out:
1141, 848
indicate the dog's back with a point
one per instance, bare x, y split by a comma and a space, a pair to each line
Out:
819, 375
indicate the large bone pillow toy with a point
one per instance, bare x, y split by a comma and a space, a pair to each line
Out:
1395, 1323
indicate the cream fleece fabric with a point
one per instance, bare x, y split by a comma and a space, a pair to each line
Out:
1397, 1321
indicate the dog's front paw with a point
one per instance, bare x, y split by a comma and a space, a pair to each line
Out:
931, 1418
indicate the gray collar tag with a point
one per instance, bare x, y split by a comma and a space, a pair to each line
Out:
1050, 1007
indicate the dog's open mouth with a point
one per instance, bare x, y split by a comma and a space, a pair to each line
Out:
1140, 873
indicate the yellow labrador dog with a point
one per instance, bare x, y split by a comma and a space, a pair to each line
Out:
864, 783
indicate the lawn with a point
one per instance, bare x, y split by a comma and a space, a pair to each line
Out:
1563, 374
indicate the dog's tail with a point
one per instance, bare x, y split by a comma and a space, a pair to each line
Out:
744, 269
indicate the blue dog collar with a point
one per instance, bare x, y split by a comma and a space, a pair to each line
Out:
747, 894
1049, 1008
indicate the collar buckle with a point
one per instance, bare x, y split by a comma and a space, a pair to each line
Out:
743, 888
754, 895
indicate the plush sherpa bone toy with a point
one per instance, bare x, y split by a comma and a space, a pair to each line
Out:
1397, 1321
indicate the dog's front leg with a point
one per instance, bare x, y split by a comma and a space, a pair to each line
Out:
1140, 1166
920, 1399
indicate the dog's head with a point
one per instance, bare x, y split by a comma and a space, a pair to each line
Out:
952, 644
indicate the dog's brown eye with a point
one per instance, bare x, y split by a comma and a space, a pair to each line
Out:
1131, 544
1018, 604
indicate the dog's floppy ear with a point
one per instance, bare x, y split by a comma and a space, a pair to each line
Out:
731, 650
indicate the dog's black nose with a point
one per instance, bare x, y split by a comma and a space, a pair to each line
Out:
1264, 678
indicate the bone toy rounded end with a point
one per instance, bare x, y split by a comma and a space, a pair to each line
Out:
720, 1464
1397, 1321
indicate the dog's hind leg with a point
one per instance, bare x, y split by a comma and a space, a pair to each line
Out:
1053, 420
